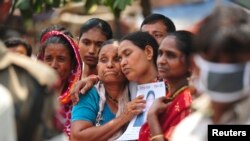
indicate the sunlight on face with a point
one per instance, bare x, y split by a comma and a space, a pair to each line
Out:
108, 66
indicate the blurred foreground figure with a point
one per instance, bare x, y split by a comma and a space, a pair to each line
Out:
28, 100
18, 45
7, 118
222, 74
30, 84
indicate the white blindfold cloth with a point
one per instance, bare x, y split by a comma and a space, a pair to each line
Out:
221, 81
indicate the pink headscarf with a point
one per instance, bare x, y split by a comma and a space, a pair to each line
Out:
76, 73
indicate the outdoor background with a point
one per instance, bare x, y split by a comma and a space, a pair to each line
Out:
28, 17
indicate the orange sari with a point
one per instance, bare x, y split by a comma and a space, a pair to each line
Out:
178, 109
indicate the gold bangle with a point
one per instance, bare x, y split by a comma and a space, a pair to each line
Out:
156, 136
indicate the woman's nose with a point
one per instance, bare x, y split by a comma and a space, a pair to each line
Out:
123, 62
110, 64
161, 60
54, 64
92, 49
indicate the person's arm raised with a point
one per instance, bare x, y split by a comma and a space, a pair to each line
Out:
82, 86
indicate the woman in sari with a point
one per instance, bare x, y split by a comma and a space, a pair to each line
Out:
59, 51
173, 65
142, 47
139, 46
104, 110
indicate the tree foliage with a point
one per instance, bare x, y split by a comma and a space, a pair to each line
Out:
30, 7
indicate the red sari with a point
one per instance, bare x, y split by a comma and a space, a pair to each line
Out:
178, 109
64, 115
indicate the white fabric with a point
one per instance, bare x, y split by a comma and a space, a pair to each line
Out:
25, 63
206, 67
122, 102
194, 127
7, 117
60, 137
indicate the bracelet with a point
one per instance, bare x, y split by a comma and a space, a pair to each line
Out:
156, 136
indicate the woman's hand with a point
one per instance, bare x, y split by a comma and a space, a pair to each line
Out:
158, 106
82, 86
133, 108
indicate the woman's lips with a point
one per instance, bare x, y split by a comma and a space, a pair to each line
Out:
126, 71
110, 73
90, 58
162, 70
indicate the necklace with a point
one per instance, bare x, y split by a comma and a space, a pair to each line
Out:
177, 92
111, 98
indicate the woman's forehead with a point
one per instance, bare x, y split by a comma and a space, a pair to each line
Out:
126, 44
109, 48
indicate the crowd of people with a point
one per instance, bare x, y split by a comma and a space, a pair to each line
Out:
86, 87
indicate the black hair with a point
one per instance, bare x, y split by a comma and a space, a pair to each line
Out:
98, 23
15, 41
225, 30
184, 41
141, 40
153, 18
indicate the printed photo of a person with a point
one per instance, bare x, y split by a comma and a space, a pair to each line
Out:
141, 118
